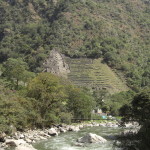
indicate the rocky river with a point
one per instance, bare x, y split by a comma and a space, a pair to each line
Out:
67, 141
91, 136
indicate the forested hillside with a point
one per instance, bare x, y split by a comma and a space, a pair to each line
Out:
114, 34
115, 30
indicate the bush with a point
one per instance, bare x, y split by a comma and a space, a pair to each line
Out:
66, 117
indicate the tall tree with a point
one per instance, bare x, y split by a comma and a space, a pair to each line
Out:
16, 70
49, 95
80, 103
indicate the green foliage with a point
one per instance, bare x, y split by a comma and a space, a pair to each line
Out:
54, 100
138, 108
117, 31
114, 102
15, 70
80, 103
96, 116
139, 111
100, 96
46, 100
49, 95
14, 110
141, 105
66, 117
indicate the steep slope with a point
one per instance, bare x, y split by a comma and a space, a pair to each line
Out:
115, 30
85, 72
94, 74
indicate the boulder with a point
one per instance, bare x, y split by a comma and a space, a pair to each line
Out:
2, 137
81, 126
21, 136
89, 125
19, 144
11, 143
95, 124
102, 125
91, 138
52, 132
14, 143
74, 128
62, 130
28, 140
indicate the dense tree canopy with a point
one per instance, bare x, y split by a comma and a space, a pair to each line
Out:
49, 95
139, 110
47, 99
16, 70
15, 111
80, 103
117, 31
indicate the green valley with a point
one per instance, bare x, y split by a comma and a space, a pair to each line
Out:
62, 59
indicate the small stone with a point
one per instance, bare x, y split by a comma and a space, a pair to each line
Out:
74, 128
79, 144
62, 130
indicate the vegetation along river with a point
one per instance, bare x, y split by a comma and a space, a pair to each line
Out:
65, 141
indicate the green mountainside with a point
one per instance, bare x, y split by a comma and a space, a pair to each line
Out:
115, 30
94, 74
101, 44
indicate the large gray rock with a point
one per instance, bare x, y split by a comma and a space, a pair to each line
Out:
91, 138
52, 132
19, 144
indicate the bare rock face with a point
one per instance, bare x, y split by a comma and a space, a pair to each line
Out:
91, 138
56, 64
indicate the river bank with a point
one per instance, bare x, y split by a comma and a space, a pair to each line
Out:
24, 140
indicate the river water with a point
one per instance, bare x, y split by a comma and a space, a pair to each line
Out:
65, 141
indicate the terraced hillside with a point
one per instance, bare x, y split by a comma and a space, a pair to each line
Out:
116, 31
94, 74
